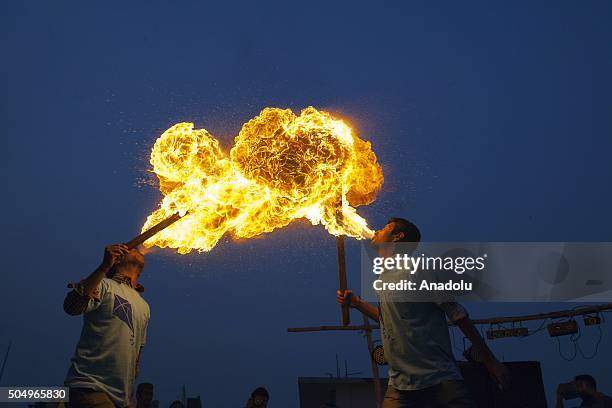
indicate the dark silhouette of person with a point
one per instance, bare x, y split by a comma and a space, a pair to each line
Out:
422, 368
115, 318
144, 395
259, 398
176, 404
584, 387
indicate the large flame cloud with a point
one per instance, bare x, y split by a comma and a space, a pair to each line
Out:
282, 167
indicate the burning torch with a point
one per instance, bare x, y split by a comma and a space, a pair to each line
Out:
139, 239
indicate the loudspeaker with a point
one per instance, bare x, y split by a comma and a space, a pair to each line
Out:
526, 390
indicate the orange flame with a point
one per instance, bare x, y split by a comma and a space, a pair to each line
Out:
281, 168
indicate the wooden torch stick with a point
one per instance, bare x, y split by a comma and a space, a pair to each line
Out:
134, 242
346, 318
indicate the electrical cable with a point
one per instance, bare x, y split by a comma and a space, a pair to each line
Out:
561, 354
540, 328
590, 357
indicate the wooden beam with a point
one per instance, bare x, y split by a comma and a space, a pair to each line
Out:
329, 328
342, 282
495, 320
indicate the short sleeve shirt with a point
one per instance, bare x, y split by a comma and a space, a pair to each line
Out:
114, 330
416, 342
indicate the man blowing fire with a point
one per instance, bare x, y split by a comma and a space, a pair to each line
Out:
422, 368
115, 318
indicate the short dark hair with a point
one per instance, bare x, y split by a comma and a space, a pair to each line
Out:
144, 385
176, 403
411, 232
587, 379
260, 391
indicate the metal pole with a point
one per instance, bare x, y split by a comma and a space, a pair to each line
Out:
375, 375
4, 361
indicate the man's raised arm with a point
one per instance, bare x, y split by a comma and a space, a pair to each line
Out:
76, 300
457, 315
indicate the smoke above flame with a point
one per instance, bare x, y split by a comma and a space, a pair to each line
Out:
282, 167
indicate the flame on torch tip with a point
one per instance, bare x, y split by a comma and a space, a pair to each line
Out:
282, 167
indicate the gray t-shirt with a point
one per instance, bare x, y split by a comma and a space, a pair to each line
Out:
416, 340
114, 330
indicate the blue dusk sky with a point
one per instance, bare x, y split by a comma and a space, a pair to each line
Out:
491, 120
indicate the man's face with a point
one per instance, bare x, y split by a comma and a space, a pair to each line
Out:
133, 259
582, 389
260, 401
145, 396
134, 256
384, 235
